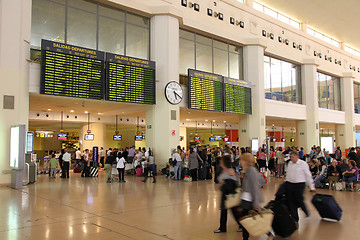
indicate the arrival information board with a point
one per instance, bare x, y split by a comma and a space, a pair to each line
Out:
130, 79
205, 91
237, 96
71, 71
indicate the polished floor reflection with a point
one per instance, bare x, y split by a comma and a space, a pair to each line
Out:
89, 208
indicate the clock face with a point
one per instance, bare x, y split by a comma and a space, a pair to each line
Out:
174, 92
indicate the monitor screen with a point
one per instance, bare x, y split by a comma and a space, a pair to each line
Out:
138, 138
117, 137
89, 137
197, 139
181, 138
211, 139
62, 136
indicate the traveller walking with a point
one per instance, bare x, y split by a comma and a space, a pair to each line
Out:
66, 164
120, 166
298, 173
108, 162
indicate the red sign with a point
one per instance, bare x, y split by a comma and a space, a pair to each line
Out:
173, 132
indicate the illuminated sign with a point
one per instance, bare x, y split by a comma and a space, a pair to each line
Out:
89, 137
130, 79
117, 137
62, 136
17, 147
237, 96
71, 71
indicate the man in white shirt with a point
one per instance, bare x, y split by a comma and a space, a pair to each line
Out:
102, 157
109, 151
78, 156
298, 173
66, 164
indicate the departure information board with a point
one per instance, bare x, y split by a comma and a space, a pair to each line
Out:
130, 79
237, 96
71, 71
205, 91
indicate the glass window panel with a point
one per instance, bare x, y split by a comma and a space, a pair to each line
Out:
111, 13
294, 82
294, 24
47, 22
337, 94
318, 35
235, 66
327, 39
270, 12
203, 57
203, 40
111, 35
275, 71
82, 5
310, 31
137, 20
286, 75
220, 45
258, 6
187, 56
323, 92
186, 35
267, 77
137, 41
221, 65
81, 28
356, 98
335, 43
331, 95
283, 18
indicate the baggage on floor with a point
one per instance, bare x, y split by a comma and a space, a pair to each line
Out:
283, 223
208, 171
77, 170
338, 186
93, 172
327, 206
202, 173
139, 172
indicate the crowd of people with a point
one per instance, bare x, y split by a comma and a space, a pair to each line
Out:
231, 168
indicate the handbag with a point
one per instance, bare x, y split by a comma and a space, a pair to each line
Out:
349, 175
258, 223
233, 199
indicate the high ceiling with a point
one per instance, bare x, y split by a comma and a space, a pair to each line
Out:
335, 18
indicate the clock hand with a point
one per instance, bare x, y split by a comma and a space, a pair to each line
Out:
176, 94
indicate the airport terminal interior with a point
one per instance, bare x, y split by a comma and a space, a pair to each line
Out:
151, 81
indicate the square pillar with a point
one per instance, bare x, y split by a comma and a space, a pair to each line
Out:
307, 131
15, 31
345, 133
163, 117
253, 126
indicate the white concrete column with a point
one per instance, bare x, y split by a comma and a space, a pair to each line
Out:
307, 132
164, 117
345, 133
253, 126
99, 131
15, 28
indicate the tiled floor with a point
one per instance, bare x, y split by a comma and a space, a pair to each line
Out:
89, 208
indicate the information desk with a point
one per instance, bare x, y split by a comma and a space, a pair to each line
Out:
205, 91
237, 96
71, 71
130, 79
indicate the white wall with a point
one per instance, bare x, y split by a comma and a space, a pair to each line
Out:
331, 116
284, 110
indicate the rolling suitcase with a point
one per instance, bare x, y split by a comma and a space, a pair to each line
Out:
208, 172
202, 172
327, 206
93, 172
139, 172
283, 223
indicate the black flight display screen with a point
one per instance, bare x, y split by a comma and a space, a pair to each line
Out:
237, 96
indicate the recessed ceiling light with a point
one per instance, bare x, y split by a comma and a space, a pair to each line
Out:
123, 112
49, 109
86, 112
72, 111
224, 121
99, 113
206, 120
187, 119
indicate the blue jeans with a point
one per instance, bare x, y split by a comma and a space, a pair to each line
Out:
177, 170
319, 179
349, 180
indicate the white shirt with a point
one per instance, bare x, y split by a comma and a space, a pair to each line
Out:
176, 157
120, 162
78, 154
108, 152
299, 172
66, 157
102, 153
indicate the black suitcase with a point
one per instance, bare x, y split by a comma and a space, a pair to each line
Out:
283, 223
327, 206
202, 173
208, 172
